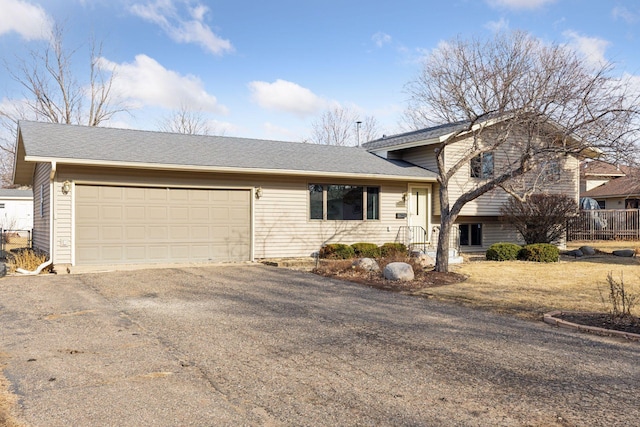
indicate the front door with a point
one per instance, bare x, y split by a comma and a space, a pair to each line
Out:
420, 213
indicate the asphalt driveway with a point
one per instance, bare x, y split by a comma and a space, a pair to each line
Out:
255, 345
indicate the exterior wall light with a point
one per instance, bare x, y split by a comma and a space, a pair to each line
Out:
405, 196
258, 192
66, 187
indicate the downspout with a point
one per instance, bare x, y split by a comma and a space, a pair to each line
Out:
45, 264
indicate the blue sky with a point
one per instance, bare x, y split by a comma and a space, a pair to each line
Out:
268, 69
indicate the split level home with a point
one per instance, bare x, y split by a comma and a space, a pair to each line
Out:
106, 196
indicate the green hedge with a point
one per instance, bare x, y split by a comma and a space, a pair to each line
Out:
366, 250
393, 249
539, 252
337, 251
503, 251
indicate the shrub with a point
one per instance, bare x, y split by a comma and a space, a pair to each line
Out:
337, 251
366, 250
539, 252
621, 299
541, 218
503, 251
27, 259
393, 249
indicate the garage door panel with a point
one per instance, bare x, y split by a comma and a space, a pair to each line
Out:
114, 232
200, 213
155, 213
139, 225
179, 213
135, 213
134, 232
89, 232
111, 193
157, 194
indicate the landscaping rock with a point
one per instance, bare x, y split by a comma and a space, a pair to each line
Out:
575, 253
366, 264
425, 260
399, 271
624, 252
587, 250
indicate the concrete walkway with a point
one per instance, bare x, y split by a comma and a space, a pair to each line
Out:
257, 345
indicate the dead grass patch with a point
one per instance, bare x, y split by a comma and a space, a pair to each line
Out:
8, 404
523, 289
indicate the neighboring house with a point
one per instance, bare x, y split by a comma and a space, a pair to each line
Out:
613, 187
114, 196
16, 209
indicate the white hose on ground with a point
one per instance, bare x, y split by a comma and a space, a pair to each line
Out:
36, 271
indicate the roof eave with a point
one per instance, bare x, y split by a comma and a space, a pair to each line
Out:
224, 169
403, 146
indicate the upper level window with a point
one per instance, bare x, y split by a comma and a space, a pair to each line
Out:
343, 202
482, 166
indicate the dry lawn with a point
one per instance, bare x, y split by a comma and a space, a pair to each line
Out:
528, 290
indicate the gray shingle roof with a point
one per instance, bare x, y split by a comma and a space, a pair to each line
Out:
414, 136
13, 193
59, 142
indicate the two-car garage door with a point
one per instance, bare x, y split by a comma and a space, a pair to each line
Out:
128, 225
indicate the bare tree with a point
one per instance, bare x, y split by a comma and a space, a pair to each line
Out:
338, 126
188, 121
514, 84
52, 91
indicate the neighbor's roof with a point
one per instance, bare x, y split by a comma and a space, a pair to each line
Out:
624, 186
10, 193
432, 134
600, 168
83, 145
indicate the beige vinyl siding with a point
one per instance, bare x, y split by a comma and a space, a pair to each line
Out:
281, 224
423, 156
489, 204
41, 207
283, 227
63, 205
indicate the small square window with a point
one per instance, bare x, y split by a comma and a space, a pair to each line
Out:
470, 234
482, 165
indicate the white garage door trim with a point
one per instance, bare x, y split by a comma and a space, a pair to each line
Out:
153, 224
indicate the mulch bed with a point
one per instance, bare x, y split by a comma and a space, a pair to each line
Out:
630, 324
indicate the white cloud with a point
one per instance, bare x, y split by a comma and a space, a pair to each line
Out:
283, 95
183, 29
147, 83
497, 26
381, 39
592, 48
28, 20
518, 4
278, 132
620, 12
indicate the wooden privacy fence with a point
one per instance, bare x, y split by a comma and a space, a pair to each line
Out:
605, 224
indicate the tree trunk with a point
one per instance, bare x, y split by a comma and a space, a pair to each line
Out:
442, 254
446, 222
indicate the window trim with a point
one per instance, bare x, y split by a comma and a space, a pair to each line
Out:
365, 201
